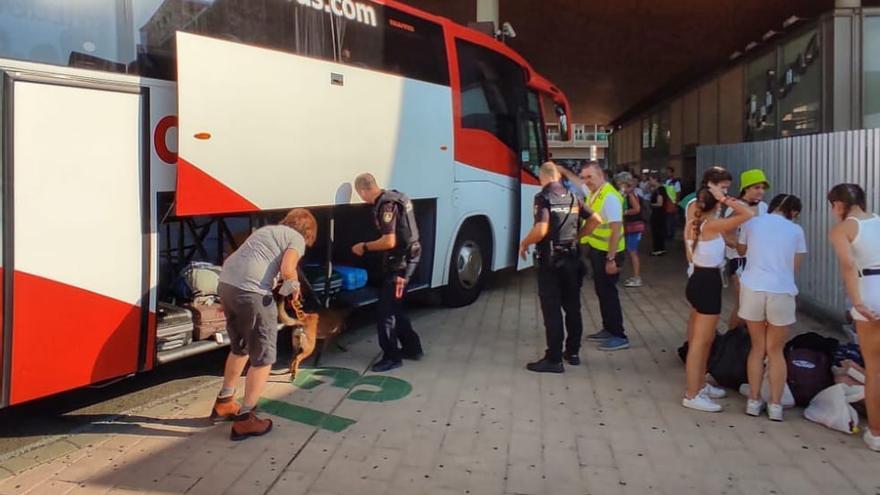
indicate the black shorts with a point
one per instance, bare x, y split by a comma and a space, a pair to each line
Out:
704, 290
735, 266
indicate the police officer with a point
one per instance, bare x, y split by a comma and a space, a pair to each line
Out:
399, 241
558, 213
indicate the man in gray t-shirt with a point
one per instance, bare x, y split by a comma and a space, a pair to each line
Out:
254, 266
246, 283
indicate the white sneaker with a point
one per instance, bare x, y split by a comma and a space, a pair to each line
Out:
701, 402
714, 392
872, 441
774, 412
633, 282
754, 407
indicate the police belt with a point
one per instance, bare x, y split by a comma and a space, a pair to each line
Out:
558, 250
411, 253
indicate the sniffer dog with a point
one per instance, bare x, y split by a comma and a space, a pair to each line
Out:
305, 332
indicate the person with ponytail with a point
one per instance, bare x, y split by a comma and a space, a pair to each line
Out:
775, 246
856, 240
704, 288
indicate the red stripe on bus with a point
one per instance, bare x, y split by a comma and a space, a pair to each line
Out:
483, 150
200, 194
66, 337
527, 178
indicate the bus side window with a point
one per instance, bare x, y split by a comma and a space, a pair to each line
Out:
401, 44
492, 92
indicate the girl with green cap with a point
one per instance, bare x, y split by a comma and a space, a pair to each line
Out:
753, 187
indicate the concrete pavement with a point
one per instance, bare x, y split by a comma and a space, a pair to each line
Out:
469, 419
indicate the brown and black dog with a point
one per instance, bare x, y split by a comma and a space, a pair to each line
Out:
305, 332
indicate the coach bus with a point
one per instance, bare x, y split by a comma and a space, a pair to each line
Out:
140, 135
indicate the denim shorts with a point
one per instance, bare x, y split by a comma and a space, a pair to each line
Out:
632, 241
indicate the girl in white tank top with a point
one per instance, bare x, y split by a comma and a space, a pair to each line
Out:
704, 289
856, 240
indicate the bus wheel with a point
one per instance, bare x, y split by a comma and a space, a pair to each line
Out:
469, 266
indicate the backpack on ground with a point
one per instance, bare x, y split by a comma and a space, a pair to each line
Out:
729, 357
809, 357
809, 372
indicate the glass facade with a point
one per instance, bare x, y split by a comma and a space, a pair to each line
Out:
871, 65
800, 86
761, 105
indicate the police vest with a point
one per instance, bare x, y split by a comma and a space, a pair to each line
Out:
406, 230
600, 237
564, 214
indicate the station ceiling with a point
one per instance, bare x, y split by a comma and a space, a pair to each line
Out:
611, 57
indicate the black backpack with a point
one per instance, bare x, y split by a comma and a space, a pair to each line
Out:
728, 358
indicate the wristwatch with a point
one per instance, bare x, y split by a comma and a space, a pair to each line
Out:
364, 245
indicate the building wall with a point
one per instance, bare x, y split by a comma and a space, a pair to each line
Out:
708, 113
691, 118
731, 106
676, 126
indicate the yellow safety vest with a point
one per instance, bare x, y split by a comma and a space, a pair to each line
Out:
600, 237
670, 191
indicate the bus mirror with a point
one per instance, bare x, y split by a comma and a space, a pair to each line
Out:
563, 123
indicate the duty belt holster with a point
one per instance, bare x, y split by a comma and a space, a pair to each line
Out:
557, 255
398, 261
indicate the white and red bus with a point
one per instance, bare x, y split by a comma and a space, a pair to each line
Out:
140, 135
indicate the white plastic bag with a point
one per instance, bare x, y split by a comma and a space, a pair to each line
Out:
831, 407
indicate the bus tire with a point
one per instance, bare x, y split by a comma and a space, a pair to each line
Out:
469, 265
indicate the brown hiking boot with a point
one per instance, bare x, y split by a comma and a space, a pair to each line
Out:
225, 409
249, 425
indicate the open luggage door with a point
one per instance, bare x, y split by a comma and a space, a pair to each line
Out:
262, 129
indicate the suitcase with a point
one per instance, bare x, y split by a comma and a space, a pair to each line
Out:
352, 278
317, 277
208, 319
174, 327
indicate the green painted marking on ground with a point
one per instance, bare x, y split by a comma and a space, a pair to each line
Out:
305, 415
307, 379
379, 389
389, 389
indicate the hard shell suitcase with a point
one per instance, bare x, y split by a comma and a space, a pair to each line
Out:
317, 277
174, 327
208, 319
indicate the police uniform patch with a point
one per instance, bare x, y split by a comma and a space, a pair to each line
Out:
387, 217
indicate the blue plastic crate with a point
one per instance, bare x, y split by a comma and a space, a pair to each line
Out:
352, 278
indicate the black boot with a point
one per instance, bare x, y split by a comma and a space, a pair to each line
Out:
545, 366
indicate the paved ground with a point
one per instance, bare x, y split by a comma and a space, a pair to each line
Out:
468, 419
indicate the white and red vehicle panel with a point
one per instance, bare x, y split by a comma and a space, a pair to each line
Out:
78, 237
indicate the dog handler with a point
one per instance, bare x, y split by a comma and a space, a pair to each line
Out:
246, 284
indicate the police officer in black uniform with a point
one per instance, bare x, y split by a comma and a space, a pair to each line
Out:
558, 216
399, 241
